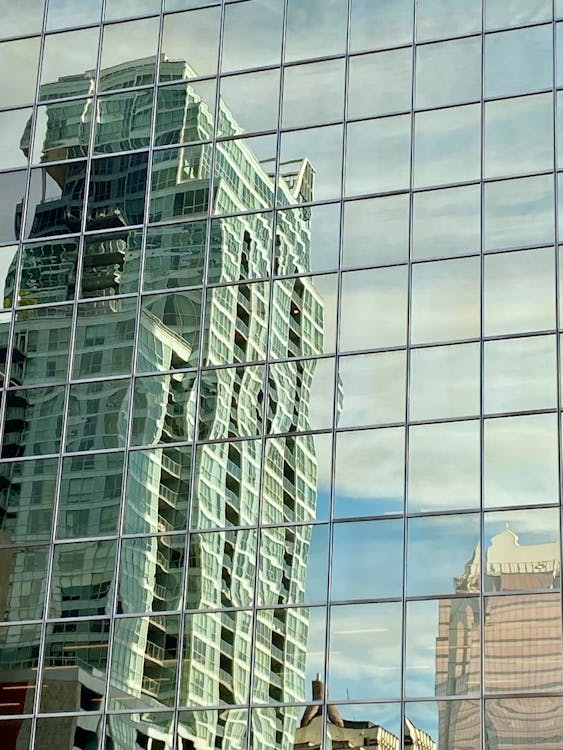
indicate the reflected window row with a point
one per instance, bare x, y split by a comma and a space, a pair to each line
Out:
517, 212
421, 720
375, 234
282, 566
252, 100
372, 27
444, 641
443, 475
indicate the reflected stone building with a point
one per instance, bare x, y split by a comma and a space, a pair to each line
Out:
521, 642
222, 478
338, 733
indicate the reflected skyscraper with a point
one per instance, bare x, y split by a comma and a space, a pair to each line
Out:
521, 642
222, 478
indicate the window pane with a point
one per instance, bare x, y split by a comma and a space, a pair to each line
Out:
379, 546
315, 29
121, 42
434, 630
439, 18
520, 460
378, 155
519, 292
516, 12
380, 83
448, 73
21, 57
373, 308
447, 222
357, 629
70, 54
385, 23
519, 135
444, 462
445, 300
364, 487
444, 382
373, 388
520, 374
252, 36
517, 62
457, 565
313, 94
376, 231
447, 146
518, 213
190, 42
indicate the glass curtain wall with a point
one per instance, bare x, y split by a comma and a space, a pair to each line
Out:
280, 367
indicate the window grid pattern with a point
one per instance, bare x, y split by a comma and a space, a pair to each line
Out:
426, 365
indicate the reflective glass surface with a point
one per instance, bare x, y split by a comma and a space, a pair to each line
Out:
280, 374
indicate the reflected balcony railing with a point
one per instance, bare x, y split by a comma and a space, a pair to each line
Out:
171, 466
167, 495
150, 686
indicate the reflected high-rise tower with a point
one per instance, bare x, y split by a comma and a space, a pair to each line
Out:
521, 642
221, 484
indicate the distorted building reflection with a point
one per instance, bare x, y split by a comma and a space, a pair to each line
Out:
521, 648
222, 478
340, 733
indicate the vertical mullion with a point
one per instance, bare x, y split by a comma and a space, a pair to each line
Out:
412, 156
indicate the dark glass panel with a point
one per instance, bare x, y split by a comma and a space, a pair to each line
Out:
90, 495
27, 499
33, 421
175, 255
48, 272
74, 671
152, 643
41, 345
117, 191
111, 263
158, 490
19, 651
104, 337
151, 572
163, 409
97, 415
82, 579
23, 596
55, 203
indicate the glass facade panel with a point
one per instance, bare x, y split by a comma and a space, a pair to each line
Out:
280, 375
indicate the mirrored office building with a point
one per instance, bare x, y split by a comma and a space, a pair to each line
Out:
280, 356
